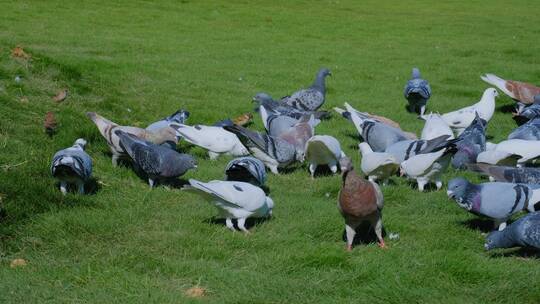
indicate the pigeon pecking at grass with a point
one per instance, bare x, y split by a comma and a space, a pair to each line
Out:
470, 143
417, 92
323, 150
72, 166
525, 232
377, 165
527, 131
246, 169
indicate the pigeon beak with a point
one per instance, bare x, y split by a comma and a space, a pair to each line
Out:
401, 172
450, 194
486, 246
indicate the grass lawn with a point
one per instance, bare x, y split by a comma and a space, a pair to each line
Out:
137, 61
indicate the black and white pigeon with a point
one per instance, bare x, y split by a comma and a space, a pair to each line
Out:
72, 166
497, 200
405, 149
523, 175
158, 162
417, 92
525, 232
527, 131
246, 169
179, 116
278, 108
272, 151
470, 143
312, 98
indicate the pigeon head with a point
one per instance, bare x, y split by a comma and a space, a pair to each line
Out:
415, 73
323, 73
81, 142
490, 92
457, 189
345, 164
262, 97
497, 239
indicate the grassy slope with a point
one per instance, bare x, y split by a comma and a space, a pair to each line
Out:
128, 243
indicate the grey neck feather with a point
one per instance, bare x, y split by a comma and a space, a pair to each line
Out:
319, 83
416, 73
505, 238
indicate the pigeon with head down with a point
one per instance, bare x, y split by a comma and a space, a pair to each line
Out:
323, 150
72, 166
470, 143
377, 165
527, 131
532, 111
246, 169
525, 232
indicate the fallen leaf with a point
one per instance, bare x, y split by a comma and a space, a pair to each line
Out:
18, 263
61, 96
19, 53
50, 123
195, 292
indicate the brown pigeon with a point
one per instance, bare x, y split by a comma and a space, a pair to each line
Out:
61, 96
519, 91
359, 200
50, 123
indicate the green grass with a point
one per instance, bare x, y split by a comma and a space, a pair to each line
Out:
127, 243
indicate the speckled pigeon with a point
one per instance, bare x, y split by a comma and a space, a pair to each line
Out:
72, 166
523, 93
524, 175
158, 162
470, 143
497, 200
462, 118
234, 200
272, 151
527, 131
417, 92
525, 232
275, 107
246, 169
403, 150
323, 150
312, 98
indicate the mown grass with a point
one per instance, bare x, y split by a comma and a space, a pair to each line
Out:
136, 61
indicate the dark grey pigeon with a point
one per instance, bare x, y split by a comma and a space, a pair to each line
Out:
524, 232
246, 169
527, 131
272, 151
275, 107
498, 201
223, 123
523, 175
158, 162
72, 166
470, 143
532, 111
405, 149
417, 92
312, 98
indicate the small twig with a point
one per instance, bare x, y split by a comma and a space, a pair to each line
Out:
7, 167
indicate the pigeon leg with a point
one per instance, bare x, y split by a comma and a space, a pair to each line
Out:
81, 187
213, 155
351, 232
372, 178
378, 231
422, 110
229, 224
438, 184
333, 167
151, 182
63, 188
241, 224
115, 160
421, 184
312, 168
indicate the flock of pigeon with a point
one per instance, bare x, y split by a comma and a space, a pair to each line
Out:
457, 138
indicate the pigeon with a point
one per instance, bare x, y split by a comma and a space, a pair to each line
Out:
275, 107
223, 123
323, 150
532, 111
214, 139
462, 118
527, 131
405, 149
179, 116
276, 124
434, 127
365, 115
300, 133
158, 162
50, 124
312, 98
359, 200
417, 92
525, 175
243, 119
72, 166
378, 135
61, 96
274, 152
495, 200
246, 169
107, 129
425, 168
525, 232
470, 143
495, 157
234, 200
529, 150
523, 93
377, 165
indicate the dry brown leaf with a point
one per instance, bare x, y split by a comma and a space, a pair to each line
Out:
61, 96
18, 263
19, 53
243, 119
195, 292
50, 123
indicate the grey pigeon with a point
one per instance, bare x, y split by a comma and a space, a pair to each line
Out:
72, 166
405, 149
312, 98
470, 143
498, 201
272, 151
532, 111
525, 232
527, 131
523, 175
417, 92
223, 123
275, 107
276, 124
179, 116
246, 169
158, 162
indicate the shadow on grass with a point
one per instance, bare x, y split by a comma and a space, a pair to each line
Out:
520, 120
429, 187
324, 170
507, 108
365, 234
91, 186
250, 222
525, 253
484, 225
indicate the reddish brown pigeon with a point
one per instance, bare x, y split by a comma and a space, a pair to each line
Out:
519, 91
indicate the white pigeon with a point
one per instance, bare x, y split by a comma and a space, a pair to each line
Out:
494, 157
527, 149
377, 165
323, 150
234, 200
214, 139
434, 127
460, 119
425, 168
490, 146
